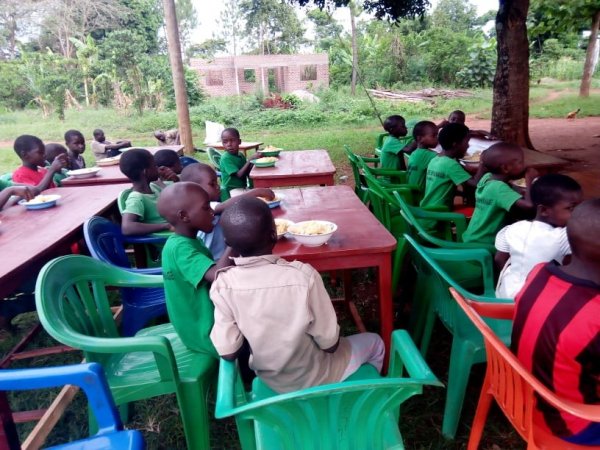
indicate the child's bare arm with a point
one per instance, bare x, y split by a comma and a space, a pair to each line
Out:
224, 261
59, 162
477, 172
258, 192
131, 224
525, 204
26, 192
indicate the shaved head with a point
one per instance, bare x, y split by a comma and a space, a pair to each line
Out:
248, 227
196, 173
500, 154
179, 197
582, 230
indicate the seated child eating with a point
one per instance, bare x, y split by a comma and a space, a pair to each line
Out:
8, 189
524, 244
282, 309
140, 215
206, 177
101, 148
169, 166
391, 151
458, 116
556, 327
494, 198
444, 172
188, 267
234, 167
50, 154
31, 151
426, 137
75, 142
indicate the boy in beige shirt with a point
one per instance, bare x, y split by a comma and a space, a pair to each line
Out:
282, 309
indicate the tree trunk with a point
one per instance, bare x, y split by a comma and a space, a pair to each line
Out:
590, 58
510, 110
354, 49
181, 99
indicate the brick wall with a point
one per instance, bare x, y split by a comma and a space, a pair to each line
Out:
301, 71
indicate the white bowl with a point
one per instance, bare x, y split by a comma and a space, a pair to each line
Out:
287, 224
312, 240
84, 173
112, 161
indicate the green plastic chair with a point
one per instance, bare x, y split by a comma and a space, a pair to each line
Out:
74, 309
360, 188
361, 412
404, 140
433, 299
379, 141
215, 157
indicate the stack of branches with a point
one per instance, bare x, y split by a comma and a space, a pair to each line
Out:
424, 95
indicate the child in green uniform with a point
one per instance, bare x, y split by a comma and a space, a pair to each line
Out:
444, 172
426, 137
234, 167
8, 189
140, 215
494, 197
391, 151
51, 152
188, 267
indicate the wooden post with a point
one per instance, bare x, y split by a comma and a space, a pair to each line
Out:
181, 100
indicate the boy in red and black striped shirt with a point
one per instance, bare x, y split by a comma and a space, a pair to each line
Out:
556, 331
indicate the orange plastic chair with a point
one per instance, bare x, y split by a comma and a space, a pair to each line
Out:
513, 387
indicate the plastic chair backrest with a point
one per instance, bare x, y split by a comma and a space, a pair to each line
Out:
347, 415
380, 140
6, 177
215, 157
512, 385
73, 306
353, 160
105, 241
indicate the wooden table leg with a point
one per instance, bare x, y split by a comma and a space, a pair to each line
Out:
386, 308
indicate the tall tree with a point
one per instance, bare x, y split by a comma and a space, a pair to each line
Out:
555, 16
187, 20
231, 25
353, 7
272, 26
12, 19
510, 110
454, 15
327, 29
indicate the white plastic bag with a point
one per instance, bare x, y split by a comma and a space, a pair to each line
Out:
213, 132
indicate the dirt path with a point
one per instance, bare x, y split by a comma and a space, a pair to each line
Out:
573, 140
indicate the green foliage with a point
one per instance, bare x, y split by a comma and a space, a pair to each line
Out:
14, 89
454, 15
481, 67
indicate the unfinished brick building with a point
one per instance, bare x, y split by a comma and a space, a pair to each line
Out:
231, 75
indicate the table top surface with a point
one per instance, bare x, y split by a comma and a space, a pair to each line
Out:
25, 234
177, 148
359, 232
106, 175
533, 158
296, 164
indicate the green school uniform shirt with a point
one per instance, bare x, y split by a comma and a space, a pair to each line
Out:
5, 184
229, 165
391, 153
185, 262
443, 175
144, 206
493, 199
417, 166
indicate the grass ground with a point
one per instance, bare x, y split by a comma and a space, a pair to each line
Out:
158, 418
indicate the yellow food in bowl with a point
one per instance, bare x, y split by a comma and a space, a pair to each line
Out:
282, 226
266, 200
520, 183
266, 160
475, 157
271, 148
310, 228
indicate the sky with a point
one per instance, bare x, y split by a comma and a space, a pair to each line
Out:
209, 10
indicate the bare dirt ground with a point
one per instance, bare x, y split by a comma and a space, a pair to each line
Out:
577, 141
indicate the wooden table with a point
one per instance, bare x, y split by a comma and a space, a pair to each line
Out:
107, 175
360, 240
244, 146
28, 239
296, 168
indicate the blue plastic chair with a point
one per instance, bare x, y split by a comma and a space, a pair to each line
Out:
187, 160
90, 378
107, 243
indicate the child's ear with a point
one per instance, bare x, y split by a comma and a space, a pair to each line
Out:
183, 215
542, 211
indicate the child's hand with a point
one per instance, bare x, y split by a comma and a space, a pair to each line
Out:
530, 175
59, 162
263, 192
166, 174
26, 192
255, 156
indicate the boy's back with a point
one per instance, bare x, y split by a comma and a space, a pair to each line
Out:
287, 318
443, 175
417, 166
493, 199
185, 261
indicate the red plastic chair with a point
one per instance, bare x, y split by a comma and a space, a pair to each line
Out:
513, 387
